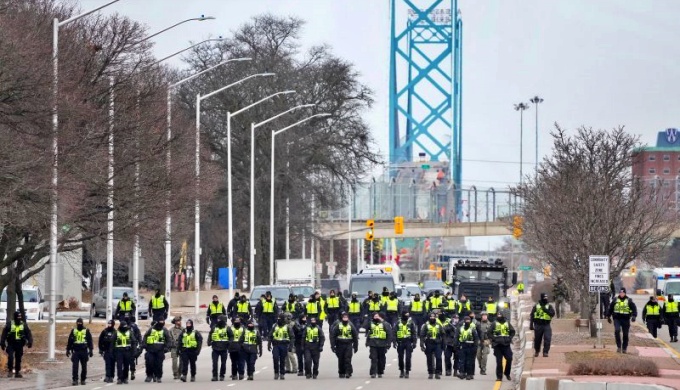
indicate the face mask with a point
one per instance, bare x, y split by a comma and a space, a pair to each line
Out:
376, 320
122, 328
436, 294
345, 322
280, 322
221, 324
312, 299
159, 326
501, 320
416, 299
544, 301
158, 295
303, 322
467, 325
251, 327
376, 299
79, 326
237, 325
442, 318
312, 324
433, 320
332, 295
189, 328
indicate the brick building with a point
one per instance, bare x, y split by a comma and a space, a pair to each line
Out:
660, 165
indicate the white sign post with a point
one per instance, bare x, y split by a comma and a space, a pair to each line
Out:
598, 282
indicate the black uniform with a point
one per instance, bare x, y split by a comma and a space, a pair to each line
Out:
651, 315
251, 344
79, 348
157, 341
431, 342
334, 305
623, 310
539, 321
449, 345
314, 340
218, 339
234, 333
378, 340
355, 311
393, 308
671, 317
344, 338
292, 306
466, 339
215, 311
125, 308
138, 351
107, 341
124, 350
14, 336
243, 310
266, 311
501, 333
158, 307
231, 306
406, 338
278, 343
190, 344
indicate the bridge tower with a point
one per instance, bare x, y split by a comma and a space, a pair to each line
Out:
426, 83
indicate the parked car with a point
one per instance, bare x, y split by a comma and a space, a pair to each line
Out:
279, 292
305, 291
34, 303
405, 293
432, 285
99, 302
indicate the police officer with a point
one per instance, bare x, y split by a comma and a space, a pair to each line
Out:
378, 340
393, 308
334, 306
132, 322
651, 315
218, 339
278, 343
373, 306
484, 342
623, 310
417, 312
491, 308
501, 333
107, 341
298, 329
215, 311
312, 308
449, 305
79, 347
431, 342
314, 340
291, 306
175, 332
267, 312
520, 288
322, 304
670, 315
243, 309
231, 306
158, 307
463, 308
14, 336
124, 351
406, 337
449, 343
251, 347
344, 338
466, 342
157, 341
435, 301
191, 342
539, 321
354, 309
125, 307
234, 333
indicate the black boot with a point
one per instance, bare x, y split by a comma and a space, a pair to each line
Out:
401, 374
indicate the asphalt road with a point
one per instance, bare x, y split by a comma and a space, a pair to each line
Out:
328, 377
640, 301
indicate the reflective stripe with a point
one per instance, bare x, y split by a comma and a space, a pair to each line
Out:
236, 333
460, 306
435, 302
219, 334
622, 307
490, 307
125, 306
345, 332
501, 329
392, 305
312, 335
123, 339
333, 303
155, 337
354, 307
79, 336
540, 314
416, 307
17, 330
403, 331
374, 306
281, 333
157, 303
250, 337
451, 305
289, 306
671, 307
432, 331
652, 310
216, 309
312, 308
242, 307
378, 332
465, 334
189, 340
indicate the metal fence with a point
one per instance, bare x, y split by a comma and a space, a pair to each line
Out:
418, 203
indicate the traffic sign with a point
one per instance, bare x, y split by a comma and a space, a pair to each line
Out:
598, 276
319, 268
525, 268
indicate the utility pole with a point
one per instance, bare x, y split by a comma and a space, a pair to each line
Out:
536, 100
521, 107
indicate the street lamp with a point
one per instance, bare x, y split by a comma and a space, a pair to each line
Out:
52, 337
218, 39
536, 100
168, 217
197, 212
271, 193
521, 107
253, 126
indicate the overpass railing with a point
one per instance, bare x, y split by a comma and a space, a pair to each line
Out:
382, 201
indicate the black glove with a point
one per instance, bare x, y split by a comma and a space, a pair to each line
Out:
269, 347
356, 349
260, 353
68, 353
3, 346
633, 319
101, 353
609, 319
531, 326
91, 353
422, 348
333, 350
207, 320
30, 345
320, 350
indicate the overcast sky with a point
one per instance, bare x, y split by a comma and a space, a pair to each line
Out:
596, 63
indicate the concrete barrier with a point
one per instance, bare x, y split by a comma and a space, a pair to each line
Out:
568, 384
188, 298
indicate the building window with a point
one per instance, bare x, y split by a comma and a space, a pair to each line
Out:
666, 184
652, 157
666, 157
652, 170
666, 171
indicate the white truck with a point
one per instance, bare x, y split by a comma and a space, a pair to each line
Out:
667, 281
392, 269
295, 271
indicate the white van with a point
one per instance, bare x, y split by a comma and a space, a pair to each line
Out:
34, 303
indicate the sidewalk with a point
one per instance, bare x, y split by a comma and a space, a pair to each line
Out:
570, 346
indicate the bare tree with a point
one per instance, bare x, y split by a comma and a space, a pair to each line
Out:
585, 201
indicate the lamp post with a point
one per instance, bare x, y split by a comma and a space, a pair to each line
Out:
253, 126
271, 194
168, 217
521, 107
54, 222
536, 100
197, 213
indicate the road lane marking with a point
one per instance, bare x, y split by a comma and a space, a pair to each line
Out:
230, 385
359, 387
388, 364
97, 388
367, 382
257, 372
